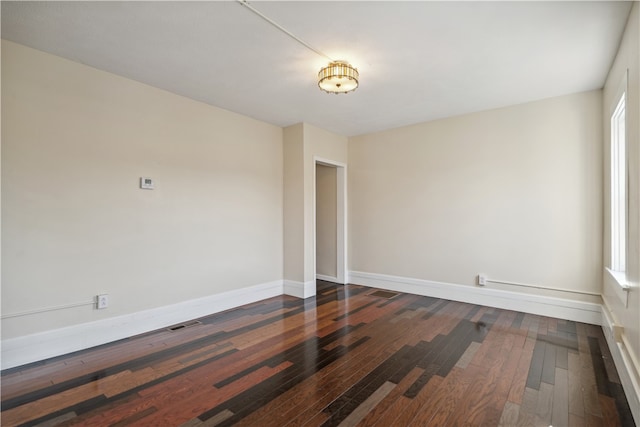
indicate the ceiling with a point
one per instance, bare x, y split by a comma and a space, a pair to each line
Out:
418, 61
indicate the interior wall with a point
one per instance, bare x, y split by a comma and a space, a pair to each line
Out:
294, 203
514, 193
326, 231
626, 315
75, 141
303, 145
325, 145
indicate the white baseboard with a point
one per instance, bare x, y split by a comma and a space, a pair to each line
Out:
578, 311
32, 348
327, 278
300, 289
628, 371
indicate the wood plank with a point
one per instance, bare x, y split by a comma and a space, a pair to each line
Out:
486, 396
560, 414
468, 355
576, 401
365, 407
218, 419
492, 411
510, 413
544, 406
589, 388
442, 404
609, 411
534, 376
520, 378
549, 364
576, 421
404, 409
593, 421
381, 408
527, 415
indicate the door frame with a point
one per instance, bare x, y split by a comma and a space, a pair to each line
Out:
341, 217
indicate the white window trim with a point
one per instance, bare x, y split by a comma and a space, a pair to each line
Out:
618, 176
619, 277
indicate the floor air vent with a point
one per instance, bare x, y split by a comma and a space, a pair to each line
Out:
384, 294
184, 325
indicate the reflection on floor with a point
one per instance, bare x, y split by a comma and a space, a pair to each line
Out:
344, 357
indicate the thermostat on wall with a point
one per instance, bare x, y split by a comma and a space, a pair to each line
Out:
146, 183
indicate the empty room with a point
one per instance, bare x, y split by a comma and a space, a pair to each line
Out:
320, 213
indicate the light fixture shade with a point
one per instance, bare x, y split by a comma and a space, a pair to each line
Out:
338, 77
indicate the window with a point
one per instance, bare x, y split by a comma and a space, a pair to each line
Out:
618, 188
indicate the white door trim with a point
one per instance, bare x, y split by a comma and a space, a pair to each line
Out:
341, 217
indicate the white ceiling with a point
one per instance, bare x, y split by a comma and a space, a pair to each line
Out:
418, 61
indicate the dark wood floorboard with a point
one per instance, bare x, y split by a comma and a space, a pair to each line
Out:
343, 358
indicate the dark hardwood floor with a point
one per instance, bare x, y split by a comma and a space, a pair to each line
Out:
346, 357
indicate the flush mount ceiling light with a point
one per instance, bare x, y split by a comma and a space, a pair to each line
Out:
338, 77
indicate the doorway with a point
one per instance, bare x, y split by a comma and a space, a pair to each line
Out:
330, 221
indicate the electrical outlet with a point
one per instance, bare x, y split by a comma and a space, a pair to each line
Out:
482, 279
102, 301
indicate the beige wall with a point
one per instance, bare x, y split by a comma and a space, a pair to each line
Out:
294, 203
319, 144
514, 193
304, 144
75, 142
628, 58
326, 231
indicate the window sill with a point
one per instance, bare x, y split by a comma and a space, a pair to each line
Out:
620, 278
623, 288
